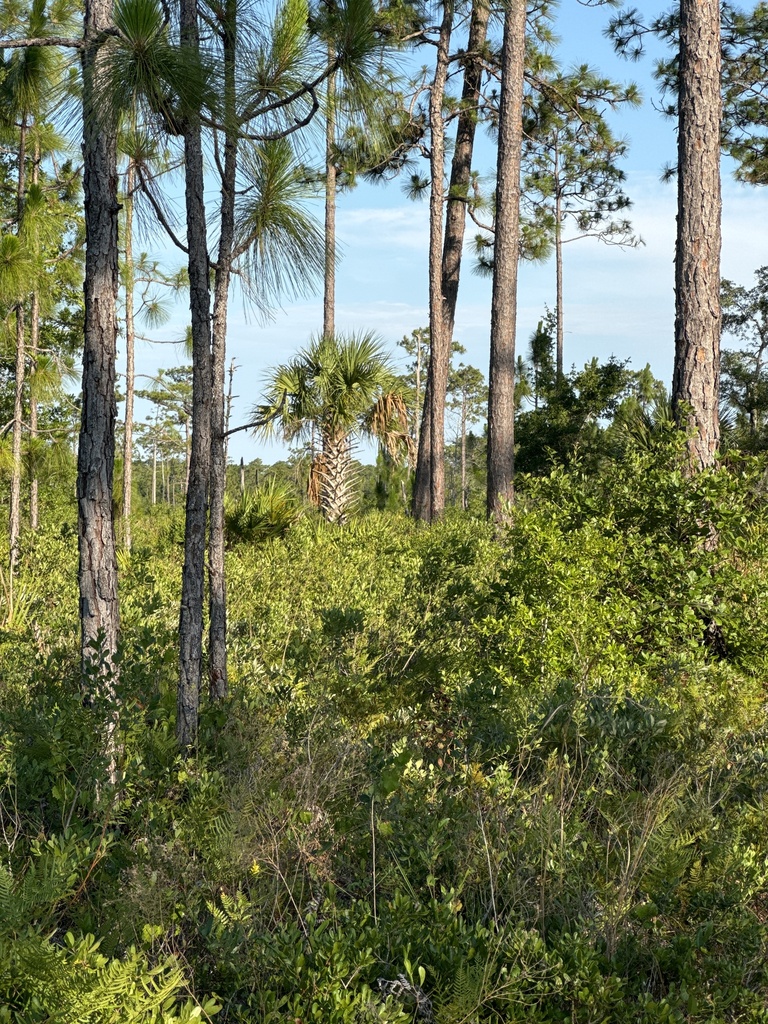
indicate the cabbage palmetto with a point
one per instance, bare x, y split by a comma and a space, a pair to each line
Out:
338, 389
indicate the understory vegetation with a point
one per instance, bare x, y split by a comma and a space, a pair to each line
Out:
465, 775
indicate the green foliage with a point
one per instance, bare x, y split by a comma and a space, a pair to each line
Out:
463, 775
269, 511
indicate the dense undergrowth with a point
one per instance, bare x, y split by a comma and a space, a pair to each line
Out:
462, 777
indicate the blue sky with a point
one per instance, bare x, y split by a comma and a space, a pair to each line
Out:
617, 302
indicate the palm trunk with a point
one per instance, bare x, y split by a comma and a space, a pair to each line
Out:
335, 468
501, 392
130, 371
217, 654
696, 380
193, 573
99, 608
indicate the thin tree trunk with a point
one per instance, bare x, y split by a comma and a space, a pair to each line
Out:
193, 574
559, 285
329, 276
464, 452
501, 392
696, 380
452, 245
420, 504
34, 346
14, 518
461, 164
429, 488
217, 653
154, 472
228, 414
130, 371
187, 451
417, 417
99, 608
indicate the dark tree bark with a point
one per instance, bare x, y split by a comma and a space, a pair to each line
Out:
696, 381
130, 371
99, 610
461, 165
559, 305
429, 486
329, 273
193, 575
429, 489
14, 515
501, 378
34, 345
217, 653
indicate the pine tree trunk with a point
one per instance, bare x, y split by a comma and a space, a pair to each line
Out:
464, 452
217, 653
34, 346
429, 488
329, 276
452, 247
501, 390
696, 380
559, 286
193, 573
130, 372
99, 609
14, 517
461, 164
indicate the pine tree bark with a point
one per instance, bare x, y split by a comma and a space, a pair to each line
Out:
559, 282
130, 370
461, 164
34, 346
217, 647
329, 273
14, 516
696, 380
193, 573
429, 491
429, 486
501, 378
99, 609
